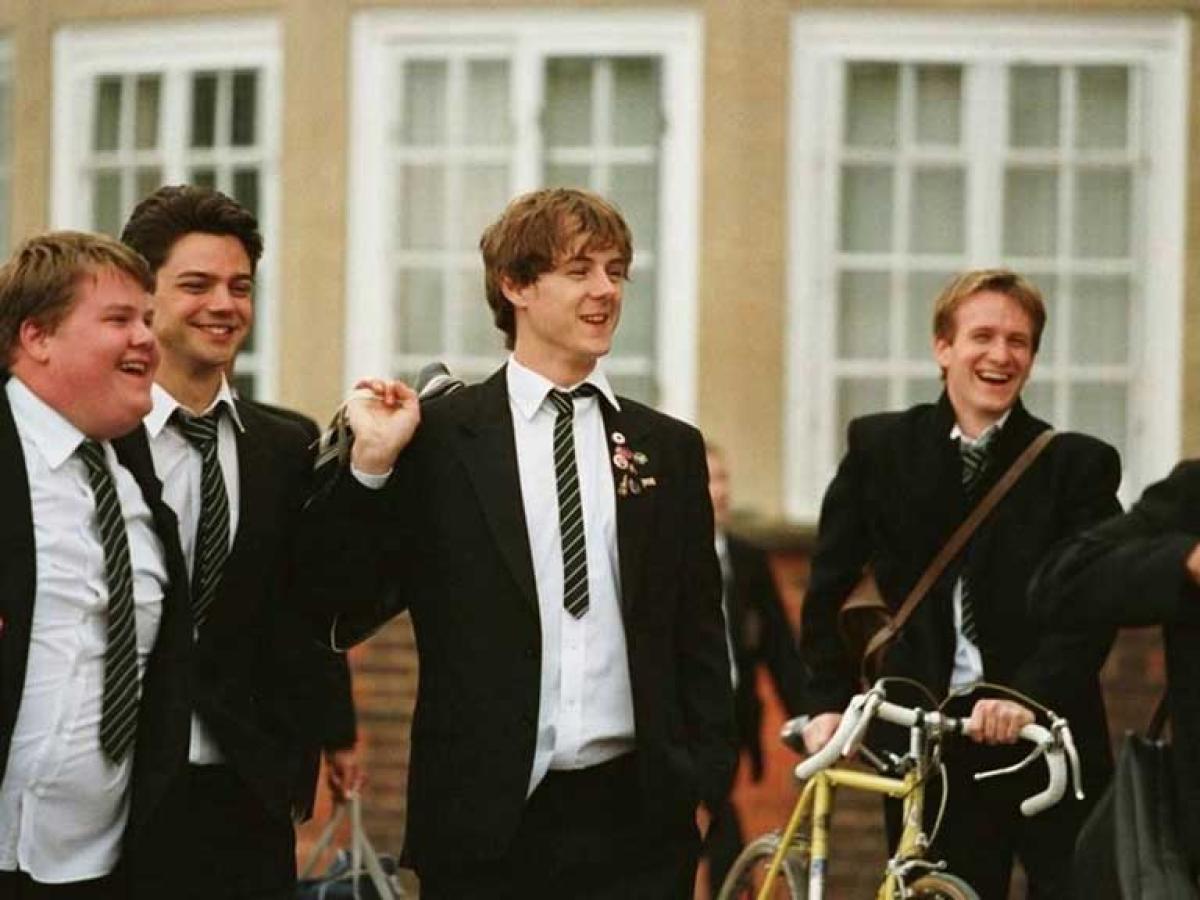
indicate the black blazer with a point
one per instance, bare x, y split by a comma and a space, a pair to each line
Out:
1130, 571
270, 694
447, 540
761, 636
162, 713
894, 502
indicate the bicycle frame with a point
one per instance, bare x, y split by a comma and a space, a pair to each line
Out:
816, 804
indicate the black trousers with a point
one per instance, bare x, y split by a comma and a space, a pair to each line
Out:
723, 843
983, 829
19, 886
214, 840
584, 835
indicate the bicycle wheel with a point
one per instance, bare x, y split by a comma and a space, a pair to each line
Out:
942, 886
750, 869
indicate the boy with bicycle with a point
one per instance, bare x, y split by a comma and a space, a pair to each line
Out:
907, 481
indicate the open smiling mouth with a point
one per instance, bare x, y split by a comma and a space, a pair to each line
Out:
135, 367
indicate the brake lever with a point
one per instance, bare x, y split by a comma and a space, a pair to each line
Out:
1062, 733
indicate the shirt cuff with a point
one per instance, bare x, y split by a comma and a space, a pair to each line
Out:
369, 479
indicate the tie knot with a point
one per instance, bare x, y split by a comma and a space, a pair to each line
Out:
564, 401
975, 458
92, 455
200, 431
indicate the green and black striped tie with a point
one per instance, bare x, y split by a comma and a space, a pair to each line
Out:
974, 464
118, 717
570, 509
212, 529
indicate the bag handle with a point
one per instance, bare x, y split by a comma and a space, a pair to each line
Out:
362, 855
957, 541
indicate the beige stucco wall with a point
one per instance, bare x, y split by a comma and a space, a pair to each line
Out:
742, 274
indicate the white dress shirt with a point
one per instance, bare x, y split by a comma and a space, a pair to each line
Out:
178, 465
968, 661
585, 711
63, 803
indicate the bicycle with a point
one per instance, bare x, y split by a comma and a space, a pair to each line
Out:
795, 860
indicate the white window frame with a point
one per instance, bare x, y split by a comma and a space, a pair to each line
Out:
820, 40
174, 49
675, 37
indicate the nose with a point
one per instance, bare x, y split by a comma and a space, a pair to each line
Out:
601, 282
220, 298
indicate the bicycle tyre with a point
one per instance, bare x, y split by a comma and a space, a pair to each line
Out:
941, 886
744, 878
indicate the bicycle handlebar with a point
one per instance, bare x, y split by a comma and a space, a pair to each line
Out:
1050, 745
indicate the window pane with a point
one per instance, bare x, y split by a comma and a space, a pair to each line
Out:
864, 315
245, 108
922, 390
568, 114
480, 336
204, 109
244, 385
203, 176
1100, 320
1033, 103
1103, 106
642, 388
866, 208
146, 125
637, 118
106, 202
1099, 410
858, 397
424, 118
871, 91
419, 312
635, 337
245, 188
559, 175
923, 290
1103, 208
939, 104
1048, 285
938, 211
1038, 397
485, 192
422, 209
488, 106
108, 114
1030, 212
634, 189
146, 181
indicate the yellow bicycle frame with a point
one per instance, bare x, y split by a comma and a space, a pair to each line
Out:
816, 803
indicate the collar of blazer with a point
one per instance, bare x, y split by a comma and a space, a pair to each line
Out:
490, 456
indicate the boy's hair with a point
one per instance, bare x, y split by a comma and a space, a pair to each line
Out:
1002, 281
177, 210
39, 280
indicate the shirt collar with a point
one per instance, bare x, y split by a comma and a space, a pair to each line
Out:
956, 433
528, 389
165, 405
54, 436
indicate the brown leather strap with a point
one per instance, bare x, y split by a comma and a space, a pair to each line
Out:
957, 541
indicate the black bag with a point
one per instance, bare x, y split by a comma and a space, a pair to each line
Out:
1128, 849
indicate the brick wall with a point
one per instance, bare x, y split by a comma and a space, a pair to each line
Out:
385, 681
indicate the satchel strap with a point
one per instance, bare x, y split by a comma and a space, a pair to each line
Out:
957, 541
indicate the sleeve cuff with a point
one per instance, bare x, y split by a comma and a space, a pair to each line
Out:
369, 480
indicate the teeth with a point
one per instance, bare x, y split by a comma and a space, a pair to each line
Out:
134, 368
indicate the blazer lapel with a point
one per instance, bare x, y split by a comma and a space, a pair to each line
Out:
635, 485
254, 473
489, 452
